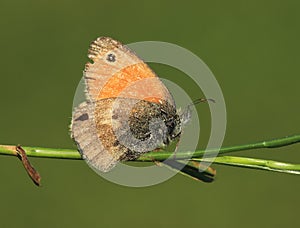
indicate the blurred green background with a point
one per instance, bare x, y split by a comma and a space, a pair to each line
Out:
251, 46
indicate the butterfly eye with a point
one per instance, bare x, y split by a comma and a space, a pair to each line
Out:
111, 57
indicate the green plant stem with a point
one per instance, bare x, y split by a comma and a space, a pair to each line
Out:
280, 142
158, 155
196, 156
255, 164
43, 152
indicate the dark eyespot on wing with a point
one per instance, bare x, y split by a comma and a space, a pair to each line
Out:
83, 117
111, 57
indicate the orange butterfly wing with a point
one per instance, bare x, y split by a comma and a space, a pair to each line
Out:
115, 71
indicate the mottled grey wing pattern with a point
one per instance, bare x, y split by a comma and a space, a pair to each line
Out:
84, 133
120, 129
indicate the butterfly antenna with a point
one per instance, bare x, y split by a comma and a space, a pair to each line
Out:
187, 113
202, 100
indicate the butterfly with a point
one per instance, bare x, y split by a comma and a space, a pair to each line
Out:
128, 110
